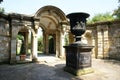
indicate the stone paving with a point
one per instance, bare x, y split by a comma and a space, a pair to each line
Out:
51, 68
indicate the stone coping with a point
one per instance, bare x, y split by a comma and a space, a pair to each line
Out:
9, 16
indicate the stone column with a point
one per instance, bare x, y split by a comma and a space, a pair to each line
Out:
13, 51
44, 44
96, 44
26, 41
35, 40
13, 46
62, 50
47, 44
57, 44
62, 40
34, 48
71, 38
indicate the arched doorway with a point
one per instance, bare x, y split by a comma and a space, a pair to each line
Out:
23, 44
52, 20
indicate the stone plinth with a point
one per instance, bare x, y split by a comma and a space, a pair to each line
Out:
78, 59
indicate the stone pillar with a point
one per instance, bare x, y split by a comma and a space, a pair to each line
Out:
47, 44
93, 50
95, 43
34, 48
44, 44
103, 41
26, 42
71, 38
106, 42
57, 44
96, 46
13, 51
62, 50
35, 26
13, 46
100, 41
62, 40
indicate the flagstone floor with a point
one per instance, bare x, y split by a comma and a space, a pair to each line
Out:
51, 68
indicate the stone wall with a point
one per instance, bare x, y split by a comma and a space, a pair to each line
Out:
4, 41
10, 25
114, 39
107, 39
104, 36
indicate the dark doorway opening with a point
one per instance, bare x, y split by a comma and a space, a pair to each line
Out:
51, 44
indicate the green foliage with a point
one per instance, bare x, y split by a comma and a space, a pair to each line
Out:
117, 12
2, 10
101, 17
40, 43
22, 51
20, 37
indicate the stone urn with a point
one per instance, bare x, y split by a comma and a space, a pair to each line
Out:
78, 54
78, 24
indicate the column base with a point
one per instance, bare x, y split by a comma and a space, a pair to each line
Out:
79, 72
34, 60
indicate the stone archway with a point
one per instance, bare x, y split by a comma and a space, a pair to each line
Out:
24, 31
52, 20
19, 22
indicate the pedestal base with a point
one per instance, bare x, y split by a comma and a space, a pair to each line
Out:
78, 58
79, 71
